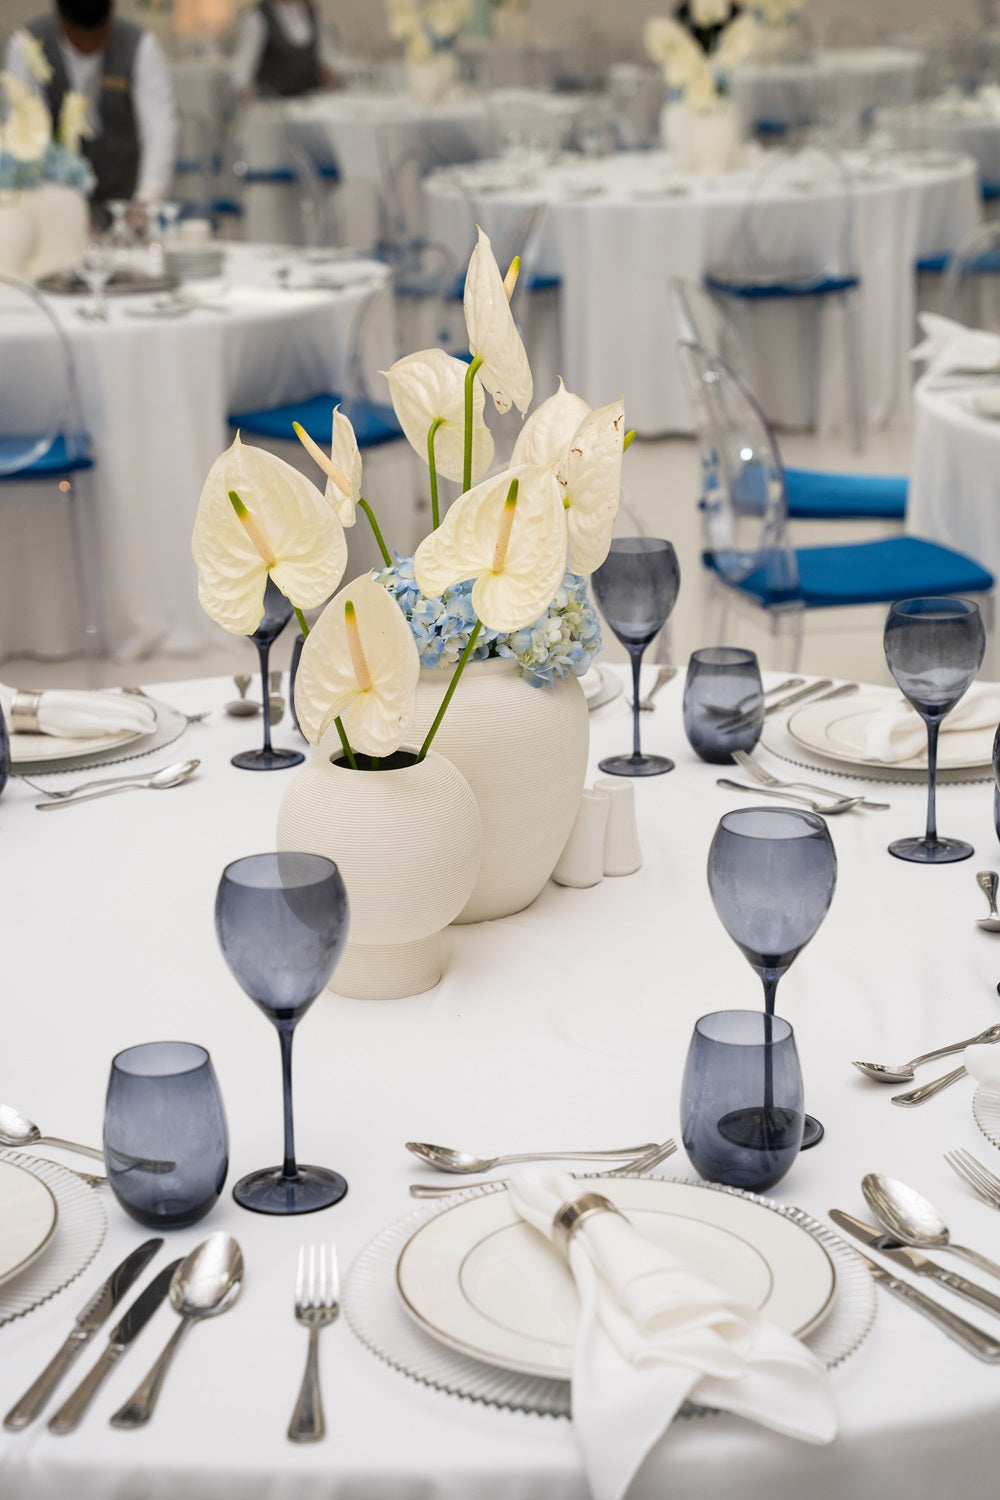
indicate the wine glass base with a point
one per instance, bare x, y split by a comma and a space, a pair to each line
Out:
923, 851
267, 760
812, 1132
270, 1192
636, 765
769, 1129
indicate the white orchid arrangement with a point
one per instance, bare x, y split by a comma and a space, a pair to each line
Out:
699, 48
502, 549
427, 26
29, 150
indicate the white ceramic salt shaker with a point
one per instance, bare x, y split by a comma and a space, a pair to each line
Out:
622, 855
582, 861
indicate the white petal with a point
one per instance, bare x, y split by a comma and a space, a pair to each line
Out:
28, 130
547, 433
428, 386
345, 455
593, 485
493, 335
378, 719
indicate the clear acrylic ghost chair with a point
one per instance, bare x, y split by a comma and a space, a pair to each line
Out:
970, 286
744, 522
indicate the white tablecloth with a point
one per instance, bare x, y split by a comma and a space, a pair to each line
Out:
954, 494
968, 128
840, 84
155, 396
568, 1023
615, 235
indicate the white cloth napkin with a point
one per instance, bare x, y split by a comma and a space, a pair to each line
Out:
653, 1333
949, 346
983, 1064
897, 732
85, 715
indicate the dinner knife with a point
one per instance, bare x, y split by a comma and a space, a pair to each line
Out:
142, 1309
100, 1306
905, 1255
975, 1340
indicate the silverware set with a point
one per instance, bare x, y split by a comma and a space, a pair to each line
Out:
904, 1072
650, 1156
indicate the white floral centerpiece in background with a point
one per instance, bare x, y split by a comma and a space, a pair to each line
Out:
428, 30
698, 49
488, 621
44, 180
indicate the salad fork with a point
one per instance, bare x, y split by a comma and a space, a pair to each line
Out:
982, 1181
747, 763
317, 1303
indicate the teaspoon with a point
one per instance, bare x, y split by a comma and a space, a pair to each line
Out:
915, 1221
17, 1130
205, 1284
446, 1159
904, 1073
988, 880
167, 777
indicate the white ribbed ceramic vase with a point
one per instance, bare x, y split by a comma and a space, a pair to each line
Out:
706, 142
17, 233
407, 843
61, 218
523, 750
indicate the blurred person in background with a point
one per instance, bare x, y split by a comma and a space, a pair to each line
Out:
122, 72
280, 51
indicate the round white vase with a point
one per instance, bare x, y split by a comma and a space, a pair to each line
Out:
702, 141
17, 233
407, 843
523, 750
60, 217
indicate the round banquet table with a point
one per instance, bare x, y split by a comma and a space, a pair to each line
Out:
968, 125
564, 1025
619, 227
155, 393
954, 494
842, 83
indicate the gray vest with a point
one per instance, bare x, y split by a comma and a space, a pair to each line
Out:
114, 152
285, 68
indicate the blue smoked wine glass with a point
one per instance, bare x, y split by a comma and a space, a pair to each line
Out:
772, 872
281, 921
277, 613
636, 587
933, 648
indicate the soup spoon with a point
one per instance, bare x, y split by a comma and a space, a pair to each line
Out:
17, 1130
205, 1284
446, 1159
904, 1072
166, 777
915, 1221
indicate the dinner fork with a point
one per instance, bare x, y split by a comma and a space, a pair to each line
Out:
138, 692
757, 771
826, 807
982, 1181
317, 1303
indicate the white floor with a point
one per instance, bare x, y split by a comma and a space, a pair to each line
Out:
661, 490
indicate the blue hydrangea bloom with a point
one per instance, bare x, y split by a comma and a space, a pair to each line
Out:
55, 165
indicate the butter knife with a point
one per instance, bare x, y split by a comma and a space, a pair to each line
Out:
100, 1307
975, 1340
142, 1309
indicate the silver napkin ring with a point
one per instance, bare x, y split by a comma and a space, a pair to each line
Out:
24, 712
571, 1215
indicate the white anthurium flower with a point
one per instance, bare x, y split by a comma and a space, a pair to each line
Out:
73, 123
663, 38
283, 527
550, 429
359, 664
33, 53
28, 129
592, 479
429, 387
740, 41
516, 552
700, 91
342, 468
708, 12
493, 335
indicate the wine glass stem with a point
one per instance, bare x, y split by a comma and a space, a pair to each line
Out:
635, 653
288, 1168
770, 983
264, 652
932, 746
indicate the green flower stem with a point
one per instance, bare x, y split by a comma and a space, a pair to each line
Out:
470, 381
432, 466
363, 503
348, 752
453, 684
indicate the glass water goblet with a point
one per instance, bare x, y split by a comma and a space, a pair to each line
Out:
277, 613
281, 920
772, 872
741, 1099
723, 702
96, 267
636, 587
933, 648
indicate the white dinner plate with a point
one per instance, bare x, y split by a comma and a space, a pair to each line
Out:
837, 728
28, 1217
986, 1113
29, 749
483, 1282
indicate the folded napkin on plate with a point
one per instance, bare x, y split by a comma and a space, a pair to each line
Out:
653, 1334
950, 346
591, 682
897, 732
76, 715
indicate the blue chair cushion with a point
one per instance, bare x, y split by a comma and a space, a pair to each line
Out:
871, 573
268, 174
987, 264
989, 192
931, 265
816, 496
373, 422
758, 291
52, 464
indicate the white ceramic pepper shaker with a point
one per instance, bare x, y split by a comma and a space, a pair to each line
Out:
582, 860
622, 854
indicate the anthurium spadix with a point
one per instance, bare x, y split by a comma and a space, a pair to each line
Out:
428, 390
359, 664
342, 468
493, 336
591, 481
548, 432
515, 550
279, 524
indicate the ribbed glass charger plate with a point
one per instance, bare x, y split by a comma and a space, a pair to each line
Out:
78, 1235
